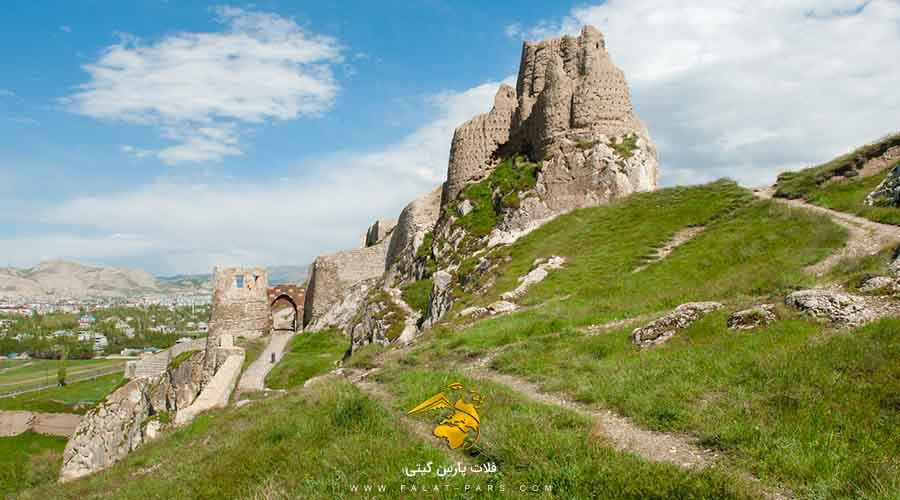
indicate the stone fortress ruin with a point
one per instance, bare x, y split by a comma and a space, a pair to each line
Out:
570, 116
569, 121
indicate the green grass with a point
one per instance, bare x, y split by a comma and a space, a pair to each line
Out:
750, 248
510, 177
321, 441
852, 272
545, 445
76, 397
29, 460
836, 184
416, 294
309, 354
41, 371
819, 413
365, 356
849, 195
626, 146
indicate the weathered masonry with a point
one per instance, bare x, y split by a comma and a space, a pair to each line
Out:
286, 303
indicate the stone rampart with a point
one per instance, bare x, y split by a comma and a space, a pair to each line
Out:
332, 276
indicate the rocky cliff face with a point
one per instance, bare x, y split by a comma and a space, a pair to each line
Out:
565, 138
130, 416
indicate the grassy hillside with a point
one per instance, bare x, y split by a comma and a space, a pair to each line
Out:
307, 355
28, 460
806, 409
838, 185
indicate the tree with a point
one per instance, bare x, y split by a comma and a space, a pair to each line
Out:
61, 371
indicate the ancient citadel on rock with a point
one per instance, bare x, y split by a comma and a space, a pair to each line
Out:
568, 137
565, 138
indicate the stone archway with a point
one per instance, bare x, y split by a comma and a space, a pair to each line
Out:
286, 306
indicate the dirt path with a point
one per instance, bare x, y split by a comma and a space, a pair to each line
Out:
421, 430
866, 237
624, 435
254, 378
678, 239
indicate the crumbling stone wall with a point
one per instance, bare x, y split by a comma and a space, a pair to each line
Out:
378, 231
240, 305
416, 221
333, 275
475, 141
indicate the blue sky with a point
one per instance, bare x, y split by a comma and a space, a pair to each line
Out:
174, 136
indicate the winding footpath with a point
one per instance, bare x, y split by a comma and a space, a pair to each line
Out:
865, 237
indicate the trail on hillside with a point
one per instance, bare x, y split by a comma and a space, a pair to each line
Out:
865, 237
620, 431
255, 377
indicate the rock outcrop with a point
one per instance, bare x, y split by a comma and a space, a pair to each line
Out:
753, 317
879, 283
833, 306
476, 141
572, 109
130, 416
887, 194
664, 328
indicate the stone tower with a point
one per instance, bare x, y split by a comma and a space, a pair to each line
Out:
571, 112
240, 306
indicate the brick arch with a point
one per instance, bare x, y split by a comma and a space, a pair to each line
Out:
295, 294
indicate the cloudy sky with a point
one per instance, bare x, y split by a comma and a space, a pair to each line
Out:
176, 137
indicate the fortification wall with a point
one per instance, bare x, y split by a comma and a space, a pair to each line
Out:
333, 275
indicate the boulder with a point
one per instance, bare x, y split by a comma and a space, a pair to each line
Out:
832, 305
753, 317
880, 283
664, 328
887, 193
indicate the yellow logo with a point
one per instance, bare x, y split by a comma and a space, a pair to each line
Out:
462, 427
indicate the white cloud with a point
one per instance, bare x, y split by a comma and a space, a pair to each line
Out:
199, 88
30, 250
7, 93
513, 30
189, 227
747, 89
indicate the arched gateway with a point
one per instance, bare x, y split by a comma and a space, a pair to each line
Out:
286, 303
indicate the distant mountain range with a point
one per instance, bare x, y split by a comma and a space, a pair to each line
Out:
58, 279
